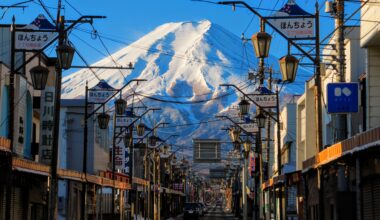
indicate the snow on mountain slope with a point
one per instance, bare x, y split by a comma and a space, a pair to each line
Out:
183, 63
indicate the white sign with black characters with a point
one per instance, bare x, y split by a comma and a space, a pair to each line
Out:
264, 100
295, 27
33, 40
250, 127
123, 121
99, 96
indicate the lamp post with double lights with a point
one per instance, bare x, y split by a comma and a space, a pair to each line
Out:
103, 119
39, 76
261, 116
126, 133
235, 135
289, 64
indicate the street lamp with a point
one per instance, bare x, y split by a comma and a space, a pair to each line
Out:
65, 54
244, 107
260, 117
288, 67
120, 105
140, 129
235, 134
247, 146
153, 140
127, 139
261, 43
103, 119
39, 75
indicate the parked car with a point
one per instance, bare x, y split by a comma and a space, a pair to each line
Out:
204, 208
191, 210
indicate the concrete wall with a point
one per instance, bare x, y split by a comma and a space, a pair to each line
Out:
306, 135
370, 39
287, 134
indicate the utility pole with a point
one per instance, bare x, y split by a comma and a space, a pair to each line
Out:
57, 105
339, 25
8, 205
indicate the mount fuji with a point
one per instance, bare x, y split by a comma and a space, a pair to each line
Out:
184, 63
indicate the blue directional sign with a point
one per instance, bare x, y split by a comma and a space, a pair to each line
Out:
342, 97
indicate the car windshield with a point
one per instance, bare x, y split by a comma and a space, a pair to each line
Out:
191, 205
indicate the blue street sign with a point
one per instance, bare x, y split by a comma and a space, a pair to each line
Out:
342, 97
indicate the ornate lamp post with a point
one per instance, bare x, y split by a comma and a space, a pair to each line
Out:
39, 75
127, 139
140, 128
244, 107
261, 43
65, 54
120, 106
235, 134
288, 67
153, 140
261, 119
103, 119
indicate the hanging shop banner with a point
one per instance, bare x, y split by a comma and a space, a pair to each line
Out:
124, 121
126, 165
119, 157
293, 21
100, 92
252, 164
250, 127
36, 35
47, 124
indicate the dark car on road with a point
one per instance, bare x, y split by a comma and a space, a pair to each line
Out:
191, 211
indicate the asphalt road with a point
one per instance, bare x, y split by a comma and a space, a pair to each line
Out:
214, 213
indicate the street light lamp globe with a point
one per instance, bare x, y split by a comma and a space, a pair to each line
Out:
127, 140
261, 43
261, 119
140, 128
288, 67
65, 54
165, 149
120, 106
103, 120
235, 134
244, 107
247, 146
152, 140
39, 75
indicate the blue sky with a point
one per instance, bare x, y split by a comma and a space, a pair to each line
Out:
127, 20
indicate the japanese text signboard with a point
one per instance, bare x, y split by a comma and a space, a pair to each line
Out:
295, 27
264, 100
250, 127
33, 40
124, 121
100, 92
293, 21
36, 35
342, 97
47, 124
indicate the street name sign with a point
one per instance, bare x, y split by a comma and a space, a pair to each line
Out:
293, 21
342, 97
250, 127
123, 121
264, 100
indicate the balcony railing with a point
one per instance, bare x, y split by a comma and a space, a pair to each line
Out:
5, 144
350, 145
